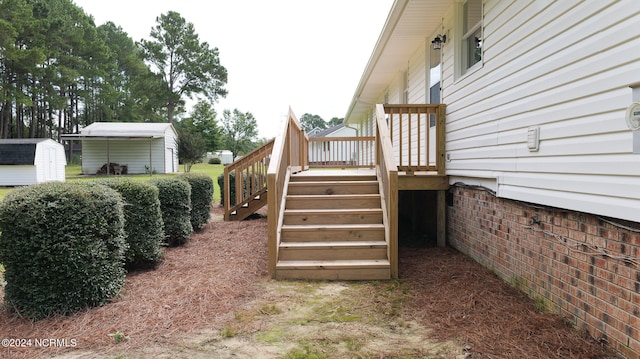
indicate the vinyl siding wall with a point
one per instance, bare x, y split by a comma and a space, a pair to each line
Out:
17, 175
171, 153
133, 153
553, 220
565, 66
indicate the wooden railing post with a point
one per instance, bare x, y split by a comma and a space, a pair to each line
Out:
440, 140
387, 172
287, 154
227, 193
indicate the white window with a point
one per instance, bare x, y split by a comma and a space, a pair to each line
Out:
471, 46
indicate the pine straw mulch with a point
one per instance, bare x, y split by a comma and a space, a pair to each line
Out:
201, 284
463, 301
198, 285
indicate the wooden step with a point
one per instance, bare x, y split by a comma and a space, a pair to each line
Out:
333, 250
333, 232
333, 216
334, 270
311, 177
333, 187
333, 228
338, 201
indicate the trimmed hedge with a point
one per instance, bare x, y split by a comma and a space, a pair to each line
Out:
62, 246
232, 190
175, 204
144, 230
201, 198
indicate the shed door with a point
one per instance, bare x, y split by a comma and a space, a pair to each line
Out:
50, 170
173, 162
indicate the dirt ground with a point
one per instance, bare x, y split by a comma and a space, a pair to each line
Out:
212, 298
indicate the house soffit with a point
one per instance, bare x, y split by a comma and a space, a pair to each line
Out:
408, 25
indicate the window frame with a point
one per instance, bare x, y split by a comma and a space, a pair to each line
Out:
464, 60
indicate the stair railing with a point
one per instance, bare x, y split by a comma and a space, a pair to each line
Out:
341, 152
289, 155
387, 172
417, 132
250, 178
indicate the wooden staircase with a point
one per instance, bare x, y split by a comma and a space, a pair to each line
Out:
333, 228
249, 206
249, 183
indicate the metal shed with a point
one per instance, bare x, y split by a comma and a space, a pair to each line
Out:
137, 147
31, 160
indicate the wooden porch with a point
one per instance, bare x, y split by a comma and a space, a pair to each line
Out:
333, 214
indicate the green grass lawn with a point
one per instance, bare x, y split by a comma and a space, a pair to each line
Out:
73, 173
213, 171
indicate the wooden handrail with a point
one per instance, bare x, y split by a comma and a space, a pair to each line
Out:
249, 180
417, 132
289, 155
387, 173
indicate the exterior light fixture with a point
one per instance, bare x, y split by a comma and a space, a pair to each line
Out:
438, 41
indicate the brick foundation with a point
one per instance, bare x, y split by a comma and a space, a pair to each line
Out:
582, 266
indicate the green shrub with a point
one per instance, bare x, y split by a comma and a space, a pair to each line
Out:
175, 204
201, 198
62, 246
143, 226
232, 176
214, 161
232, 189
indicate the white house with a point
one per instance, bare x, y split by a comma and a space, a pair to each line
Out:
544, 166
30, 161
325, 146
536, 95
139, 147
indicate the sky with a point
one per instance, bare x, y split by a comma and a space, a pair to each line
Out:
305, 54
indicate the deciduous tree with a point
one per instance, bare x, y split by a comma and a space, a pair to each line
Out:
202, 121
309, 122
239, 129
191, 148
186, 65
335, 121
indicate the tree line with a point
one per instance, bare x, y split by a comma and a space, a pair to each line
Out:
311, 122
60, 72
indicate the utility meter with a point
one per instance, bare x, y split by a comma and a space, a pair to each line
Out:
633, 116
